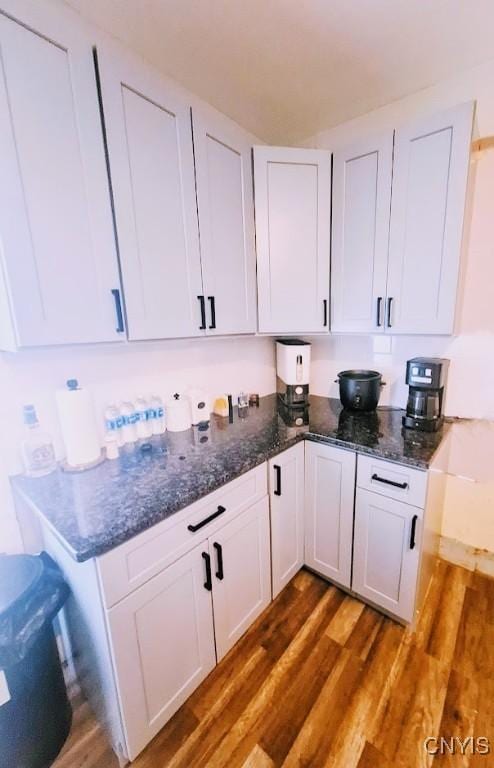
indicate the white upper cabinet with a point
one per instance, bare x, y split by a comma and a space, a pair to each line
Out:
293, 208
360, 231
223, 162
431, 159
60, 282
152, 170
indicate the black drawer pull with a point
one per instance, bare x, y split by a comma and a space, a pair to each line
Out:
208, 584
389, 482
412, 531
219, 554
378, 311
325, 304
194, 528
277, 490
202, 327
390, 301
212, 306
118, 310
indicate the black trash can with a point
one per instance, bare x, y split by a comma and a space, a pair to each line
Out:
35, 716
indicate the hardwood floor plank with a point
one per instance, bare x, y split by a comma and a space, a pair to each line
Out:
343, 622
321, 680
280, 728
313, 742
258, 759
369, 699
372, 758
244, 733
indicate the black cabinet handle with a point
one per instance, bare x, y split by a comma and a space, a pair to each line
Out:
118, 309
277, 490
213, 311
208, 584
202, 326
412, 531
219, 554
378, 311
194, 528
389, 482
390, 301
325, 305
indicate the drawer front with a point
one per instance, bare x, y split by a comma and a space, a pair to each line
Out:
392, 480
136, 561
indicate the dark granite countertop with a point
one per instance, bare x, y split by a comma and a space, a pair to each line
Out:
95, 511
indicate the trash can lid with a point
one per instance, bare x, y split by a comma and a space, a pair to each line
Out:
18, 575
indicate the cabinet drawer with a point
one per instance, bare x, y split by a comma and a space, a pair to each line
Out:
128, 566
392, 480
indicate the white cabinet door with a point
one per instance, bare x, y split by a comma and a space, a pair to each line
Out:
293, 208
360, 232
386, 552
58, 256
431, 160
152, 170
223, 162
286, 496
162, 641
241, 574
329, 495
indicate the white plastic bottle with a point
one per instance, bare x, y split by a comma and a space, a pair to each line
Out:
37, 447
129, 416
114, 422
143, 423
158, 424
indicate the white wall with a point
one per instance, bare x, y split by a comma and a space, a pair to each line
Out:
470, 389
116, 372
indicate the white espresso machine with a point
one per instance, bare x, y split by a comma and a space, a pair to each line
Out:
292, 372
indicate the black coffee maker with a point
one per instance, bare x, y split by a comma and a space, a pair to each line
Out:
426, 378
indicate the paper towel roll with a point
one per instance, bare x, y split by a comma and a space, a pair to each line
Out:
78, 424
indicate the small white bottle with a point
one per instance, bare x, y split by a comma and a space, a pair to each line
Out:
143, 423
114, 423
129, 416
158, 424
111, 445
37, 447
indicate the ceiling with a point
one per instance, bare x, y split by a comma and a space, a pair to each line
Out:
286, 69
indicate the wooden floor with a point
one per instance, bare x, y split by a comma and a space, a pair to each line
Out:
322, 680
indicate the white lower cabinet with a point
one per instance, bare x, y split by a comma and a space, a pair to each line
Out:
329, 496
241, 574
162, 639
386, 552
168, 634
286, 495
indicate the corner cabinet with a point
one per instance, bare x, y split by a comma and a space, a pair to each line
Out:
329, 497
397, 227
430, 172
286, 496
293, 211
59, 280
